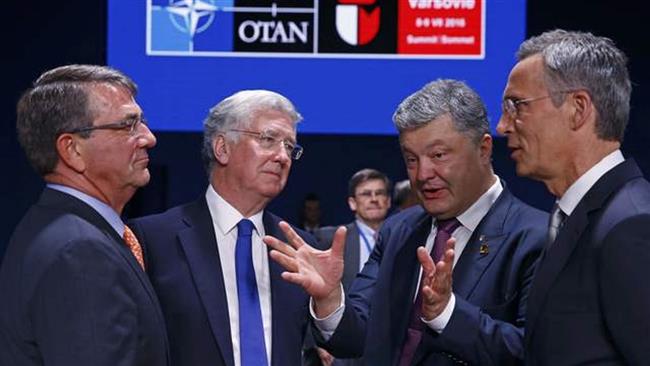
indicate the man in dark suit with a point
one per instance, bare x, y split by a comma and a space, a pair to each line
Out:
214, 315
565, 109
369, 200
73, 287
468, 220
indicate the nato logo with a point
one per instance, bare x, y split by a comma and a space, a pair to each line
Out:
187, 26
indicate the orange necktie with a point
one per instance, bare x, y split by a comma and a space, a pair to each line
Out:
134, 245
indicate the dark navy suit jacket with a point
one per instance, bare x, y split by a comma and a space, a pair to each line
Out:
185, 269
73, 294
491, 288
590, 299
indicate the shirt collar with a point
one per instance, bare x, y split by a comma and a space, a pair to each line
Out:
104, 210
365, 229
475, 213
226, 217
580, 187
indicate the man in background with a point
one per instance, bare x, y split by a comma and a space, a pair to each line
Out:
310, 213
369, 200
403, 196
223, 299
74, 290
565, 109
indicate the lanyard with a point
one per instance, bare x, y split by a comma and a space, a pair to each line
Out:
365, 239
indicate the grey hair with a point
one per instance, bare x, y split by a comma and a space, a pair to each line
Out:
237, 112
60, 101
580, 60
444, 97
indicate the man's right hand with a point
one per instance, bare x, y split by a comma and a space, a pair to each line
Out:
318, 272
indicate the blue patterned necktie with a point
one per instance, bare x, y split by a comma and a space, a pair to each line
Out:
251, 330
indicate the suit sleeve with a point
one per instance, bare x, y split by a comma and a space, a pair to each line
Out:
624, 269
491, 336
83, 312
349, 338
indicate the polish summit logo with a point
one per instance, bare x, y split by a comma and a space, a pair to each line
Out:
316, 28
355, 25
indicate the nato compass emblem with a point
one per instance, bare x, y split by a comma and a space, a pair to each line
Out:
230, 27
187, 14
184, 26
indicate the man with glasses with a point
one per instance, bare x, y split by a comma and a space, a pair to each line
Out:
369, 200
447, 281
565, 109
223, 298
73, 283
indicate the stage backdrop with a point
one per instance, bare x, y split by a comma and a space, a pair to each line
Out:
346, 64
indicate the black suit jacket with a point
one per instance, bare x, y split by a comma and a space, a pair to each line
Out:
325, 235
491, 288
185, 269
590, 300
73, 293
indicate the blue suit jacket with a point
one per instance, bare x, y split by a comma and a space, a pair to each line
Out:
185, 269
491, 289
590, 299
73, 294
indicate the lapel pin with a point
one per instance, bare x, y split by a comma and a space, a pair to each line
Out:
484, 248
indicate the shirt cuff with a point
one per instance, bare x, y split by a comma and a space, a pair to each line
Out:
328, 324
439, 323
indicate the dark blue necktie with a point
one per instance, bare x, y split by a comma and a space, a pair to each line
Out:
251, 330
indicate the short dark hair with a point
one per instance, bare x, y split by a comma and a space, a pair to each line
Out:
364, 175
59, 101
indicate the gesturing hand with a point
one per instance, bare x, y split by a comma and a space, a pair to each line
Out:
318, 272
436, 280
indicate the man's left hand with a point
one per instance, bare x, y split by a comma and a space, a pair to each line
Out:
436, 280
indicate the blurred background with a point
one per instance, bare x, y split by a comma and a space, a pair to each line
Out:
40, 35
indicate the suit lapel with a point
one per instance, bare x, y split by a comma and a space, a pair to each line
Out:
555, 256
483, 246
406, 269
351, 255
283, 299
200, 247
64, 201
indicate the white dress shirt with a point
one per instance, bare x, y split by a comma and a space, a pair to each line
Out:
580, 187
224, 220
469, 220
366, 242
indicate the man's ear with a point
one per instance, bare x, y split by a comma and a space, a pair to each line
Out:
71, 152
353, 204
583, 109
485, 148
221, 149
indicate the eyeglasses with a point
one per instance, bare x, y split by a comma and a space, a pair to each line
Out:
129, 125
368, 194
269, 139
510, 106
